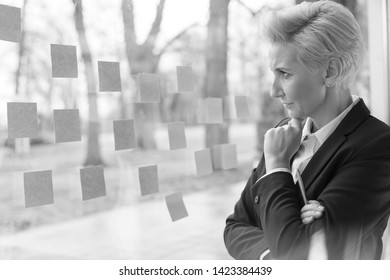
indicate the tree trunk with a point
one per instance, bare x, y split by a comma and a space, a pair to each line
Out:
93, 146
142, 60
216, 65
21, 50
21, 145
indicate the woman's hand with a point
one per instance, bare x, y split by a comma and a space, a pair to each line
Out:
311, 211
281, 143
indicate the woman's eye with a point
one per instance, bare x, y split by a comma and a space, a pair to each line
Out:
284, 74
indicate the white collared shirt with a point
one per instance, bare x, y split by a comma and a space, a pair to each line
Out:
324, 132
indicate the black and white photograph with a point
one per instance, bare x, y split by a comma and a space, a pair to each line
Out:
194, 133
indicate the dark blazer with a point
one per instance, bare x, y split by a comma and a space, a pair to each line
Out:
349, 175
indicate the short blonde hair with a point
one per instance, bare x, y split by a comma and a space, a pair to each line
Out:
319, 31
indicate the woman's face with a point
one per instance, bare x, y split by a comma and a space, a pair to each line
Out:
299, 89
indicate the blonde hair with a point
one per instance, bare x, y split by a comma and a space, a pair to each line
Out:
319, 31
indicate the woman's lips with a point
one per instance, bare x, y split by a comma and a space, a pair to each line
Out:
287, 105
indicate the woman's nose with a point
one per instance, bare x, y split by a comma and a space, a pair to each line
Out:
276, 90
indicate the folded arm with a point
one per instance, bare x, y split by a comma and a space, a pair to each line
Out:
356, 200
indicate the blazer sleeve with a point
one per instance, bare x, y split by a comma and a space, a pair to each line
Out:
356, 201
243, 235
278, 209
244, 238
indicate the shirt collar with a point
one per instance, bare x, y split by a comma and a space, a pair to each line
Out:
324, 132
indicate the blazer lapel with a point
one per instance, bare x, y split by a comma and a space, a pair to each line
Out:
320, 159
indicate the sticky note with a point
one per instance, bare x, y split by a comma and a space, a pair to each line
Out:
185, 79
148, 88
63, 61
216, 157
224, 156
22, 120
148, 179
228, 156
92, 182
124, 134
177, 137
38, 188
242, 107
10, 23
67, 125
203, 162
175, 204
109, 76
210, 111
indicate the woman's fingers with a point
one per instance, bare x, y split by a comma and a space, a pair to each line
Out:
312, 207
313, 202
311, 211
308, 214
308, 220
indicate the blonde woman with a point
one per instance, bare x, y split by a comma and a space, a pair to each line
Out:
341, 152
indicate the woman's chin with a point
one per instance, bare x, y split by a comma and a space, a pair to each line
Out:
294, 114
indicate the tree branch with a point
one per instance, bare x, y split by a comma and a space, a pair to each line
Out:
252, 12
128, 22
155, 30
176, 37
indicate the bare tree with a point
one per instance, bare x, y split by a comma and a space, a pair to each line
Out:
216, 65
143, 58
93, 145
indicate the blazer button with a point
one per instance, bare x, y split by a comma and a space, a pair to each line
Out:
257, 199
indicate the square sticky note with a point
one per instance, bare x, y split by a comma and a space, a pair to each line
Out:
177, 137
22, 120
216, 157
109, 76
67, 125
242, 107
228, 156
92, 180
10, 23
175, 204
124, 134
63, 61
148, 179
38, 188
148, 88
185, 79
203, 162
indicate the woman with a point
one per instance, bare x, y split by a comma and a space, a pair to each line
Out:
341, 152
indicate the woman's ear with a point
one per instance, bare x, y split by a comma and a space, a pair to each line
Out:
333, 72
